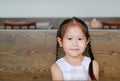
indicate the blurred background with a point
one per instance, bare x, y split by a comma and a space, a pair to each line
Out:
28, 35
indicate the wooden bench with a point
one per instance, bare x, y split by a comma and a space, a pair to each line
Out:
111, 25
20, 25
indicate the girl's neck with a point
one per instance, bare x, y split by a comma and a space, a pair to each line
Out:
75, 61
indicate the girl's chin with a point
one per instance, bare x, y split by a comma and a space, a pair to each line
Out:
75, 55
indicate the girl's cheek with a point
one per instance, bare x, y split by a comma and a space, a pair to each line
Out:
82, 44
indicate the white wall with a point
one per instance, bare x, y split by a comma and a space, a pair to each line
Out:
59, 8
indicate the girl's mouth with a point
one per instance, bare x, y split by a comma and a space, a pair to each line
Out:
75, 49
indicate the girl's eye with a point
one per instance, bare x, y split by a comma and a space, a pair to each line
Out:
79, 38
69, 38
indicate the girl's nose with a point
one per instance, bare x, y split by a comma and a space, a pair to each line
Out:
75, 42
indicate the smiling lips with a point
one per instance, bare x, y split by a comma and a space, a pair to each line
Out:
75, 49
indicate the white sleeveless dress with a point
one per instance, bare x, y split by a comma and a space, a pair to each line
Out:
74, 72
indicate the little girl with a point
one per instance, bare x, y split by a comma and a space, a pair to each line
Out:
73, 37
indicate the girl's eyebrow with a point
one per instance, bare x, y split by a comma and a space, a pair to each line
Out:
72, 36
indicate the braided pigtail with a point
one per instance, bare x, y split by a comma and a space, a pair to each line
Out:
57, 45
91, 63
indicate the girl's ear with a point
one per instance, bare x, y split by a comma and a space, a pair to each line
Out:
59, 41
88, 41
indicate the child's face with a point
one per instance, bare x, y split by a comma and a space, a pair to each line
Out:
74, 41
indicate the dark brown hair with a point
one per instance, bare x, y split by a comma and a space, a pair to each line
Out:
84, 28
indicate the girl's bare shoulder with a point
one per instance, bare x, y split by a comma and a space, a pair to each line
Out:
56, 72
55, 67
95, 64
96, 69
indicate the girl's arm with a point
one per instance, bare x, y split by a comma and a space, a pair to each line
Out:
95, 70
56, 73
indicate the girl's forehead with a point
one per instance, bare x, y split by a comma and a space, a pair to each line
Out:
74, 29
